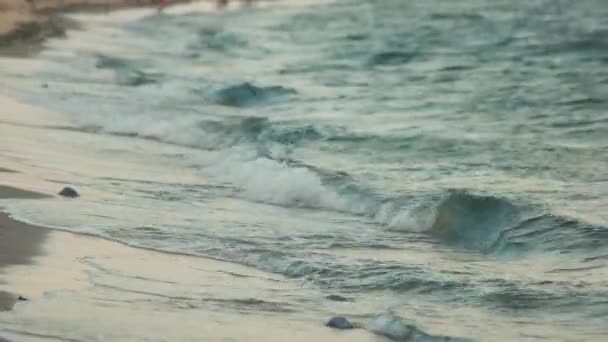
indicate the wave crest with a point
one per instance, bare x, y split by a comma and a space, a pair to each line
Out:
472, 221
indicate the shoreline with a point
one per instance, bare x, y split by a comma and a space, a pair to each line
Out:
49, 275
20, 242
73, 277
60, 275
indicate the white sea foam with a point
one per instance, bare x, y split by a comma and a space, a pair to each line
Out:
237, 163
269, 181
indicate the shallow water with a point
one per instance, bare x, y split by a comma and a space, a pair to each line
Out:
443, 160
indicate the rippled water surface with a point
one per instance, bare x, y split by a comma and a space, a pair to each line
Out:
443, 159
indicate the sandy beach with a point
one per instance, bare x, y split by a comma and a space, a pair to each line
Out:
429, 171
89, 286
19, 242
36, 261
109, 291
38, 266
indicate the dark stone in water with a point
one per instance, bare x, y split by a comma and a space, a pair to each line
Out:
69, 192
339, 322
22, 298
338, 298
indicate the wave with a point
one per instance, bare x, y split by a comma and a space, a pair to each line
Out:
254, 132
251, 158
268, 181
419, 280
480, 223
472, 221
495, 225
252, 155
247, 94
262, 131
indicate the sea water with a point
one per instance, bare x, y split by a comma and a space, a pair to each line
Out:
441, 160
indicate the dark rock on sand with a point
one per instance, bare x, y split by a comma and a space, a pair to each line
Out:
69, 192
339, 322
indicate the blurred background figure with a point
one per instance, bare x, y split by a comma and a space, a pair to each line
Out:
161, 4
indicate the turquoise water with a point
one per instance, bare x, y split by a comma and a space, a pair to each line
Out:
447, 154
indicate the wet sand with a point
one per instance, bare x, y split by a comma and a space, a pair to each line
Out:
19, 242
7, 191
85, 286
73, 282
81, 287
